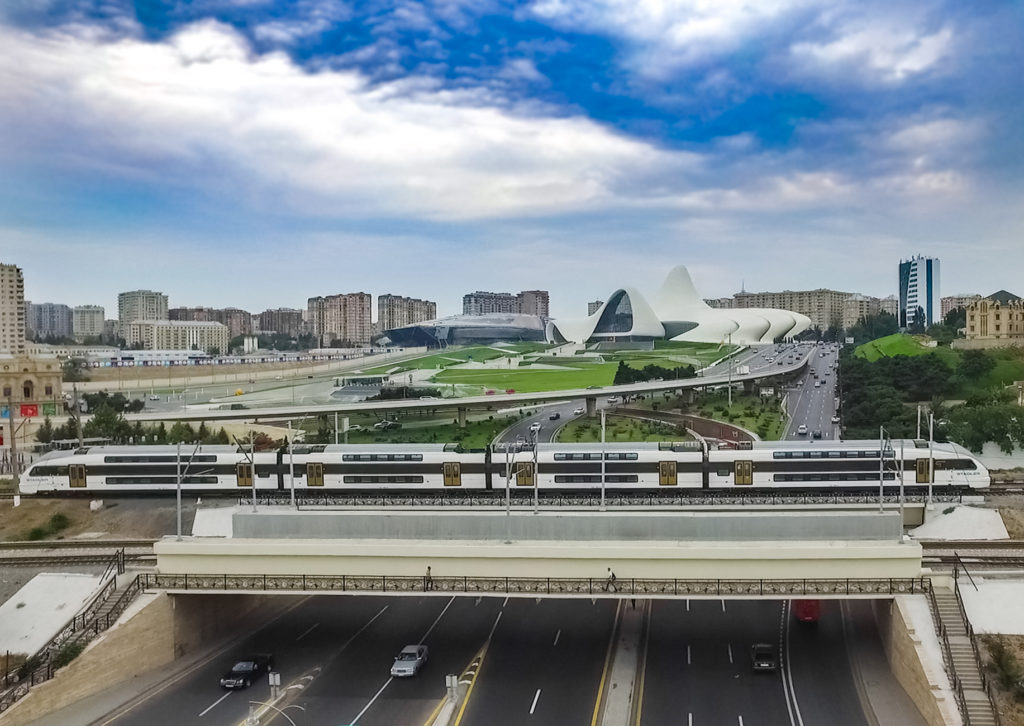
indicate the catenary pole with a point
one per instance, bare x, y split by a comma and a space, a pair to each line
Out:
931, 455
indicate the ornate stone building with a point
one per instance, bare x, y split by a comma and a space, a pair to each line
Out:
995, 321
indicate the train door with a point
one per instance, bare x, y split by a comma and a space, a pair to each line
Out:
243, 474
922, 471
452, 474
744, 473
524, 474
667, 474
314, 474
76, 476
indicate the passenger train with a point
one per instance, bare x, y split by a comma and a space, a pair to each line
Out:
411, 468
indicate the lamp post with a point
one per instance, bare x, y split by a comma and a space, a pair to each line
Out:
931, 456
508, 494
881, 466
730, 375
291, 463
603, 412
536, 478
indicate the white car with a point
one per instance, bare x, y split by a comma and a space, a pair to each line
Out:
154, 397
578, 411
409, 661
835, 419
802, 429
535, 426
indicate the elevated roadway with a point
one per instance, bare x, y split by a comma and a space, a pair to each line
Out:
589, 395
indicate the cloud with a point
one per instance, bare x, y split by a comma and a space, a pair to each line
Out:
877, 52
203, 104
311, 18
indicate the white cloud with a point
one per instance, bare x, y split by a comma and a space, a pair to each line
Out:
203, 105
881, 52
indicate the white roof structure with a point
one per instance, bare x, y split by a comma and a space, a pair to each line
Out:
678, 313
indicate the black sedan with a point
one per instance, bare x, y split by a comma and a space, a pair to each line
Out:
244, 672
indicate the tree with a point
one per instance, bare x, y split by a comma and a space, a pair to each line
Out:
75, 370
44, 434
182, 433
871, 327
917, 322
108, 424
974, 364
956, 318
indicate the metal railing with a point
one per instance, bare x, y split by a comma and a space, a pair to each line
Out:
979, 662
881, 587
947, 654
92, 620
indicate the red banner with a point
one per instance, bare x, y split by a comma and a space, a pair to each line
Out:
30, 410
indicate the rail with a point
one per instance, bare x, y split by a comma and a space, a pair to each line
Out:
97, 558
68, 544
536, 585
94, 619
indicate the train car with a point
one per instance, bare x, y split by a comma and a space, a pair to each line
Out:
842, 465
627, 466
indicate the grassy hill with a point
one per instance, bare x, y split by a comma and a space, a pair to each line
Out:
891, 345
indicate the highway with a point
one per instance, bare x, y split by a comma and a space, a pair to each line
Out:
697, 669
760, 360
814, 406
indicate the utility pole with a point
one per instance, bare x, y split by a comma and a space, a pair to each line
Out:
931, 456
77, 416
14, 442
603, 412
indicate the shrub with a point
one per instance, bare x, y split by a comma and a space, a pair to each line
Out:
59, 521
1004, 663
36, 533
67, 653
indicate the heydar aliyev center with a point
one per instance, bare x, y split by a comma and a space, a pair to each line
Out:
677, 312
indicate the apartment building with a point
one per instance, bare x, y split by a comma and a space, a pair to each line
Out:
534, 302
87, 321
527, 302
140, 305
952, 302
919, 289
49, 320
237, 321
12, 310
395, 311
286, 321
347, 317
179, 335
825, 308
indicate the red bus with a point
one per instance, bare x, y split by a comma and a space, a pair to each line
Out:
807, 611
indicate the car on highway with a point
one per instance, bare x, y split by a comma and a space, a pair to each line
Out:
802, 429
613, 399
817, 384
555, 416
244, 672
578, 411
817, 434
535, 426
835, 419
409, 661
154, 397
762, 657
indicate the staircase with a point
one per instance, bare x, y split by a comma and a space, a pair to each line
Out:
963, 663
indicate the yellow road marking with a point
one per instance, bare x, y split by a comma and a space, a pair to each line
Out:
607, 662
480, 665
643, 666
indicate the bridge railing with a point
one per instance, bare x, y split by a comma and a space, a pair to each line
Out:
879, 587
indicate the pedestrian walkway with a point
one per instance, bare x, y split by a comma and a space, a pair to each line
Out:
961, 662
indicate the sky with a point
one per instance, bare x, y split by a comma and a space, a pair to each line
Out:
254, 153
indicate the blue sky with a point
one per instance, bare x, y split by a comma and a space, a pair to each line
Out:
255, 153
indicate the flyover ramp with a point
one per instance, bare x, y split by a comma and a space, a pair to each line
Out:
658, 554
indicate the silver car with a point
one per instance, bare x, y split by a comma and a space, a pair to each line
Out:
410, 660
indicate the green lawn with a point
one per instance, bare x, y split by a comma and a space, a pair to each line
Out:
890, 345
476, 434
524, 380
442, 359
618, 428
526, 347
747, 410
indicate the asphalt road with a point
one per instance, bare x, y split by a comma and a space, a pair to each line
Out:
543, 665
698, 667
814, 406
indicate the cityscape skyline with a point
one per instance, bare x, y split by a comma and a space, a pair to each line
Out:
220, 150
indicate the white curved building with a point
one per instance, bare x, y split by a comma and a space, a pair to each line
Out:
677, 313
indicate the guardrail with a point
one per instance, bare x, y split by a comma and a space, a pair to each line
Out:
947, 654
986, 685
92, 620
881, 587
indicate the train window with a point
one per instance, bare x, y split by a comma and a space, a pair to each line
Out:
622, 478
383, 479
577, 479
817, 454
781, 454
621, 457
722, 472
834, 454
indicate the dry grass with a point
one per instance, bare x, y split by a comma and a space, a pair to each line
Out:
154, 519
1010, 701
1013, 519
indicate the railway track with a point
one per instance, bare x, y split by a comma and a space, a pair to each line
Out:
88, 558
77, 544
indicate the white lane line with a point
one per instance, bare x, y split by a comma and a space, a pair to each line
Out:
557, 636
375, 697
436, 620
506, 601
729, 647
311, 629
687, 605
741, 720
533, 706
723, 606
689, 719
687, 655
210, 707
789, 673
495, 626
782, 655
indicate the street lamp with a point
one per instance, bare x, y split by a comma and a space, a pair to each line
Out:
603, 412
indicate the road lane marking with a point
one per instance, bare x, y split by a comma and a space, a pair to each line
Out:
557, 636
729, 647
789, 674
367, 706
687, 655
311, 629
607, 662
723, 606
210, 707
436, 620
741, 720
479, 666
687, 605
506, 601
689, 719
533, 706
643, 665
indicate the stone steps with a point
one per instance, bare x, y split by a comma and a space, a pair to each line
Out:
964, 666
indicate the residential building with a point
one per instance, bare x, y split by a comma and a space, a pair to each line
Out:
87, 321
111, 330
179, 335
484, 303
952, 302
534, 302
889, 304
919, 289
346, 317
857, 306
140, 305
824, 307
12, 310
995, 321
594, 306
238, 321
49, 320
722, 303
286, 321
395, 311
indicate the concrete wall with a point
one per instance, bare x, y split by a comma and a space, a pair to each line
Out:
910, 664
570, 527
539, 559
153, 632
